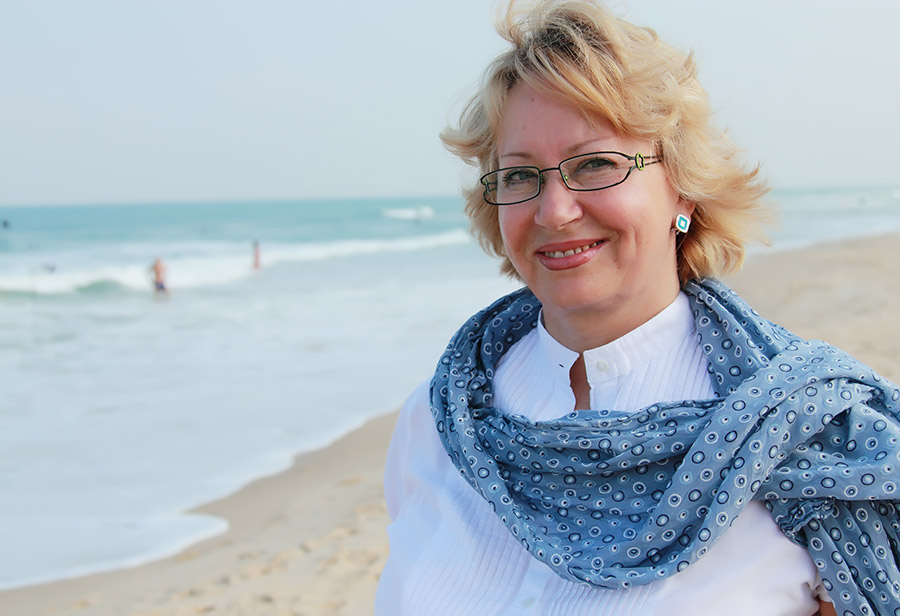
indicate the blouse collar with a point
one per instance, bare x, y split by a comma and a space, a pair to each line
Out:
648, 341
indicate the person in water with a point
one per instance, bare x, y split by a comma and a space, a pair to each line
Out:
158, 269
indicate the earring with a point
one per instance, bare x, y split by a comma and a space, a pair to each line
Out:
682, 223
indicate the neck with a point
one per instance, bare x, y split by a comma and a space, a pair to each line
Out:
588, 329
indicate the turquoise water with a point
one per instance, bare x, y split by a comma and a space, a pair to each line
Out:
58, 250
121, 410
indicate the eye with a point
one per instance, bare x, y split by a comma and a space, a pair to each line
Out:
595, 163
518, 176
594, 171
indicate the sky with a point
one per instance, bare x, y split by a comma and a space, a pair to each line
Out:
121, 101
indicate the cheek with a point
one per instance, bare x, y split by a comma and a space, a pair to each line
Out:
510, 226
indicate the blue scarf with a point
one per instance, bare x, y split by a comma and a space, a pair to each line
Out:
618, 499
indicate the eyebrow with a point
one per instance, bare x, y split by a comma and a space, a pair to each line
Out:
570, 151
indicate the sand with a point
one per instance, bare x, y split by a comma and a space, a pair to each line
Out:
311, 540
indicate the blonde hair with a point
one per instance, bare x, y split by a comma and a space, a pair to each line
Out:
578, 52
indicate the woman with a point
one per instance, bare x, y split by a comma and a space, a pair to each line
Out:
639, 441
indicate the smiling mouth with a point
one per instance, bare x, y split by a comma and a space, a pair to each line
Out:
559, 254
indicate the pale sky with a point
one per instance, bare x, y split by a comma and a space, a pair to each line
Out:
108, 101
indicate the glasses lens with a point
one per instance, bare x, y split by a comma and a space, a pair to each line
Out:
595, 171
511, 185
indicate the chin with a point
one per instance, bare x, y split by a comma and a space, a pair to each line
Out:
573, 297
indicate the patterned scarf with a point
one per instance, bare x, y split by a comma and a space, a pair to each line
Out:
619, 499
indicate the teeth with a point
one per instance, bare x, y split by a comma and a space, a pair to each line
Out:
559, 254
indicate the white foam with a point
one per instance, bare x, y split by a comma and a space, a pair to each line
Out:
424, 212
192, 266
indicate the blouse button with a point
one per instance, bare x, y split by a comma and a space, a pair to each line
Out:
602, 365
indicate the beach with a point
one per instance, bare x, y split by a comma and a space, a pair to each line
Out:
312, 541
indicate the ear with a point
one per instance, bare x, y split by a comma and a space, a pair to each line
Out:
684, 207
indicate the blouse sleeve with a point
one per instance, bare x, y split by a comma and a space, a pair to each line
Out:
414, 420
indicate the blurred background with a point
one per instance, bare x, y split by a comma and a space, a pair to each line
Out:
188, 132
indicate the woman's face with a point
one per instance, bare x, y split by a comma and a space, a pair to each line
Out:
625, 272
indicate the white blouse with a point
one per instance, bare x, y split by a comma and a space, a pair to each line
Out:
451, 555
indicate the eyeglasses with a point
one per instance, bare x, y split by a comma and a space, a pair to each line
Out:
594, 171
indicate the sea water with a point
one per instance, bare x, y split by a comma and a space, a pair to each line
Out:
122, 409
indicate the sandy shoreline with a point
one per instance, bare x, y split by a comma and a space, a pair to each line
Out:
311, 540
307, 541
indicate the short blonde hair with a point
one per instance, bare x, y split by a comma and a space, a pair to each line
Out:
578, 52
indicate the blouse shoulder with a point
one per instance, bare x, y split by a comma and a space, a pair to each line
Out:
414, 439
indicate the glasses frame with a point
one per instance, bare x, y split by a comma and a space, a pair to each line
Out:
640, 161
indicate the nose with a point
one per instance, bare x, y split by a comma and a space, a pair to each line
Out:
557, 205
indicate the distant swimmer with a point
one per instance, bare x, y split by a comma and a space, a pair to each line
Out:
256, 260
159, 276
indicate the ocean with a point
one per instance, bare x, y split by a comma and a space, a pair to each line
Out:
122, 409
